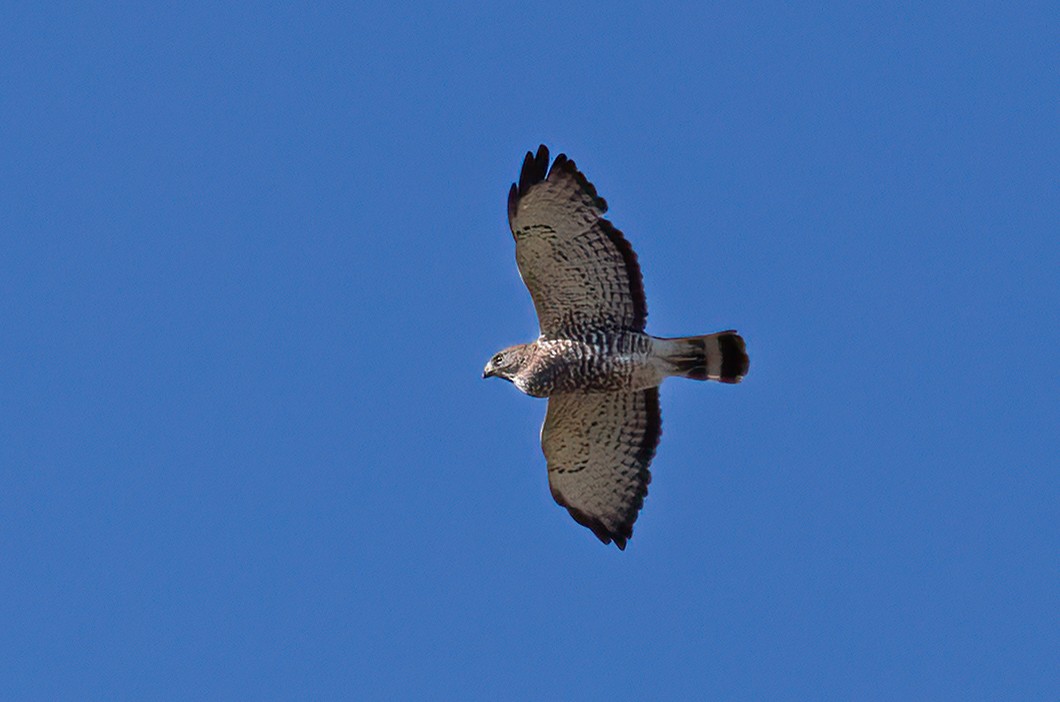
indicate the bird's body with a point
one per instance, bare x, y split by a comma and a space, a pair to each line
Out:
589, 362
593, 359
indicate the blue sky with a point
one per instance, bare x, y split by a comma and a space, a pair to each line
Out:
253, 259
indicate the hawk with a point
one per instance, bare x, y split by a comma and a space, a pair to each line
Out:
593, 360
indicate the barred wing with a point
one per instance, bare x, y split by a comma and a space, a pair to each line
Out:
581, 271
598, 447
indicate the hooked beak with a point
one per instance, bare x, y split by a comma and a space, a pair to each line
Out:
488, 372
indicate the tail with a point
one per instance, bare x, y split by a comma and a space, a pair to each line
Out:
721, 356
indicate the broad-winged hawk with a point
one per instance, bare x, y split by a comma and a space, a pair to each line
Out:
593, 361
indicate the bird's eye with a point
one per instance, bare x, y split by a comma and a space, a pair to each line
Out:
498, 359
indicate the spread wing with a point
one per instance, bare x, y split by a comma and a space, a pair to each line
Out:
598, 447
581, 271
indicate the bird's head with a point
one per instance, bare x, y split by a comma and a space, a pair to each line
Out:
505, 364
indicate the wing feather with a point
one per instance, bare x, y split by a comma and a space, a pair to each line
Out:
598, 447
581, 271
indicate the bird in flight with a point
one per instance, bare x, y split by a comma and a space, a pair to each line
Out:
593, 360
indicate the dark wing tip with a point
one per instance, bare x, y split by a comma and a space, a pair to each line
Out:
534, 170
513, 202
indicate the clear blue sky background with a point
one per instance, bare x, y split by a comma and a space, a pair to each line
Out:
253, 259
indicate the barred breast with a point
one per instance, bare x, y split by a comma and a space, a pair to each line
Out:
590, 362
